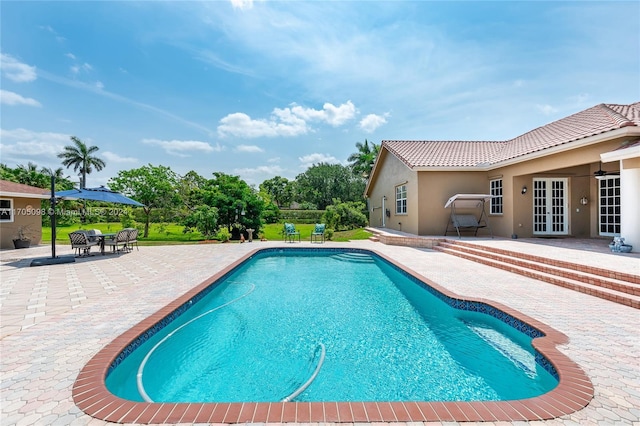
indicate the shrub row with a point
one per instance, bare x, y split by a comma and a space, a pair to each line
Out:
301, 216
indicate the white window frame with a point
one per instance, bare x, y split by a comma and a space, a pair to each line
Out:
496, 191
609, 206
401, 202
8, 210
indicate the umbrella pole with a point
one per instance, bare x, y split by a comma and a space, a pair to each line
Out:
53, 260
52, 216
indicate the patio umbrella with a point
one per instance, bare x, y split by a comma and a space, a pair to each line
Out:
95, 194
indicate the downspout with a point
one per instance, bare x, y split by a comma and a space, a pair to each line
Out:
384, 214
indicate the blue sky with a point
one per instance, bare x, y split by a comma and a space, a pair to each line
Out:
261, 88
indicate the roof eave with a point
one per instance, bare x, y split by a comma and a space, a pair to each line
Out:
23, 195
627, 131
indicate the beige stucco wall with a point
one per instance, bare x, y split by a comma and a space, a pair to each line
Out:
428, 192
32, 222
392, 172
436, 188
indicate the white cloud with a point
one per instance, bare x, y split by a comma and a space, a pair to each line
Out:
280, 124
285, 122
334, 115
249, 148
315, 158
70, 55
115, 158
77, 68
180, 148
21, 144
15, 70
99, 85
260, 170
242, 4
11, 98
372, 121
546, 109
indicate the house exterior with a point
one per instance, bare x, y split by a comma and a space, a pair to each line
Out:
20, 208
578, 176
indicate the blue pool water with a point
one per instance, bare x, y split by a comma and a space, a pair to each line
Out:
257, 336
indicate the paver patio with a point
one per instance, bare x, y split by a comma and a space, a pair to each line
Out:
55, 318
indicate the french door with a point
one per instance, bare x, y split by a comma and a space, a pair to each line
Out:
550, 210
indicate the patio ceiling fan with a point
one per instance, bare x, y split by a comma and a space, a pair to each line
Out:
602, 174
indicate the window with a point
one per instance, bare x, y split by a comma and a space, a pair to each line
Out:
401, 199
496, 192
609, 200
6, 210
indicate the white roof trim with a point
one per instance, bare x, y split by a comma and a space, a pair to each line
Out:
621, 154
24, 195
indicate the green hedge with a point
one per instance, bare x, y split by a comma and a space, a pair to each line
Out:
301, 216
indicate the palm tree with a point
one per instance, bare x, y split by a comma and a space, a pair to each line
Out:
79, 156
29, 175
57, 173
362, 161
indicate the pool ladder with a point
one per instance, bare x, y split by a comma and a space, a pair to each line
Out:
306, 384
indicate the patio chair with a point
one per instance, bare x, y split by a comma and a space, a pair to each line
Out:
80, 243
120, 239
318, 232
94, 234
133, 238
290, 232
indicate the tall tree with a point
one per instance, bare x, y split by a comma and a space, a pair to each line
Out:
280, 190
29, 175
50, 171
238, 204
81, 158
153, 186
362, 161
323, 182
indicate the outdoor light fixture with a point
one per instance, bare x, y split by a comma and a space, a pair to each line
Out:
584, 201
524, 190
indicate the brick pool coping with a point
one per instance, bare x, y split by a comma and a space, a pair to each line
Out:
574, 390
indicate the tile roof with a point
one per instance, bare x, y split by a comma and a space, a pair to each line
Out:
19, 188
593, 121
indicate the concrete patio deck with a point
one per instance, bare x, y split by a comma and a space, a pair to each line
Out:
53, 319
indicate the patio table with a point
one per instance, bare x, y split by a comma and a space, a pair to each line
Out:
101, 238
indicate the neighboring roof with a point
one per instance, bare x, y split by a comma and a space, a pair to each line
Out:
593, 121
13, 189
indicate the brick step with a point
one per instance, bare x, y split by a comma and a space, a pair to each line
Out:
572, 273
607, 273
594, 290
374, 239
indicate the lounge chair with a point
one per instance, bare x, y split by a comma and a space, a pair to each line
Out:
120, 239
81, 243
318, 232
290, 232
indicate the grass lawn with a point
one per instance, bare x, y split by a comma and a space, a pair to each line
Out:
162, 234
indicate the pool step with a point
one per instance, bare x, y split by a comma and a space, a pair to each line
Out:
353, 257
616, 287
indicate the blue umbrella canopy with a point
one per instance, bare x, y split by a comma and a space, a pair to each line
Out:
97, 194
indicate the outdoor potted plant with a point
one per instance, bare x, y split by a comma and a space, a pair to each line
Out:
618, 246
22, 240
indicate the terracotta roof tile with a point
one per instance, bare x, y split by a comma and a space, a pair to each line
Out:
593, 121
444, 153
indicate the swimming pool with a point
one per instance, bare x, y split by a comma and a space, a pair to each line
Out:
485, 324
